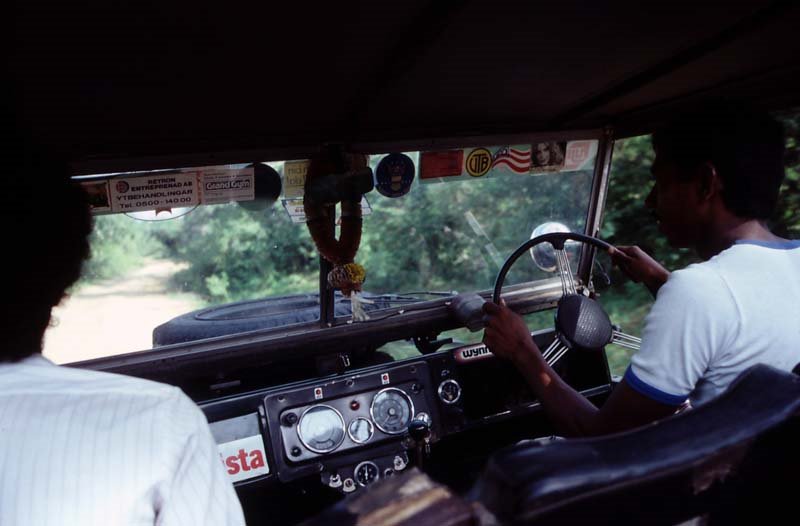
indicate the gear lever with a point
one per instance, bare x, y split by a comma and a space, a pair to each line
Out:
420, 432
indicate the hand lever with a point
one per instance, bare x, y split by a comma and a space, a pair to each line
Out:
420, 432
468, 310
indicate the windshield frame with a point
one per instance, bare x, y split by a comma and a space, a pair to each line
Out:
337, 333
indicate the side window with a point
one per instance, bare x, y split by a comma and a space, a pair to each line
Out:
628, 222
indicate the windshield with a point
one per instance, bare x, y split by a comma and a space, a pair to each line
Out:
251, 264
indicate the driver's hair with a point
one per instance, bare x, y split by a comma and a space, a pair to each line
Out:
745, 146
46, 224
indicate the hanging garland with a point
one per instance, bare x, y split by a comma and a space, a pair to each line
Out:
346, 275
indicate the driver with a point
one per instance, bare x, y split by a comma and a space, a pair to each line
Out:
80, 447
717, 177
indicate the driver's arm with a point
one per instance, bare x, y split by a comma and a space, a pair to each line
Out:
640, 267
693, 320
573, 415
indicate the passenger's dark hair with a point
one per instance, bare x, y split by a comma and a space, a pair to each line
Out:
745, 145
46, 224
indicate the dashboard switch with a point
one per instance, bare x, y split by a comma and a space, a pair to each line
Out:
349, 485
399, 463
289, 419
354, 405
335, 481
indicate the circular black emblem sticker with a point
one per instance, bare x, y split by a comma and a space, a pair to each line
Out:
394, 175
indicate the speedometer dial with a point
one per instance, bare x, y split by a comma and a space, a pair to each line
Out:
321, 428
391, 410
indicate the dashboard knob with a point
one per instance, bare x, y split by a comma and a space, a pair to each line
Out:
419, 430
289, 419
449, 391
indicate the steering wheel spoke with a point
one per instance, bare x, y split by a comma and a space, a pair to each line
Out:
565, 272
554, 351
626, 340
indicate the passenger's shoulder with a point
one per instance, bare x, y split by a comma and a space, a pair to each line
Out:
98, 382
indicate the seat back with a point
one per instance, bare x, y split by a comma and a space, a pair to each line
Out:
721, 459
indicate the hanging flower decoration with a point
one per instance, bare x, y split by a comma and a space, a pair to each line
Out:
320, 210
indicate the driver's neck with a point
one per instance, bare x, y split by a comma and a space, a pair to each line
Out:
724, 234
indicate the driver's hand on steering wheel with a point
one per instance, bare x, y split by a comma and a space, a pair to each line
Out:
639, 267
506, 334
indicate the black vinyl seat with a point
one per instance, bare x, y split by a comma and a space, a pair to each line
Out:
733, 460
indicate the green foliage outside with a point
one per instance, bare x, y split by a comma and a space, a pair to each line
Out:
119, 244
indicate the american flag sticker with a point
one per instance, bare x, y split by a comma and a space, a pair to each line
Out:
317, 393
515, 159
385, 378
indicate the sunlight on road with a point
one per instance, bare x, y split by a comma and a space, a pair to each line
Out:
116, 316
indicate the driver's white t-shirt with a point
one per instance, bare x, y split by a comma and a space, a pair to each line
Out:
713, 320
83, 448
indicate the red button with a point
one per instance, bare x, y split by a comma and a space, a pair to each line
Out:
354, 405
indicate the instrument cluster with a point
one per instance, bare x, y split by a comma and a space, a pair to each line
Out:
349, 420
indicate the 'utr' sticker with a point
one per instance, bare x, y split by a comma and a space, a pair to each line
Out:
385, 378
472, 353
479, 162
318, 393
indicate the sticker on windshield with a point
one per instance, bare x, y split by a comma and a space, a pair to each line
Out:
154, 192
437, 165
297, 214
515, 159
97, 194
294, 179
245, 458
472, 163
222, 185
580, 155
548, 156
294, 207
394, 175
479, 162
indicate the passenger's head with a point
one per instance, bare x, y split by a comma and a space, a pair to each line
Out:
737, 148
46, 224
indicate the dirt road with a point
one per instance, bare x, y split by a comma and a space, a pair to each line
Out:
116, 316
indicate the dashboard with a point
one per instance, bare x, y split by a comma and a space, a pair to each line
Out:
346, 431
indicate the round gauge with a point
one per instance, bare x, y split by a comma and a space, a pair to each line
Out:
360, 430
321, 428
366, 473
391, 410
449, 391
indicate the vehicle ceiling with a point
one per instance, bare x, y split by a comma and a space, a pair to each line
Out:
131, 80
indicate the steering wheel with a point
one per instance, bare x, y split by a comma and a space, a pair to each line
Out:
580, 322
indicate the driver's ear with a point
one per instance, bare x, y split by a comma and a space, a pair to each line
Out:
710, 184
